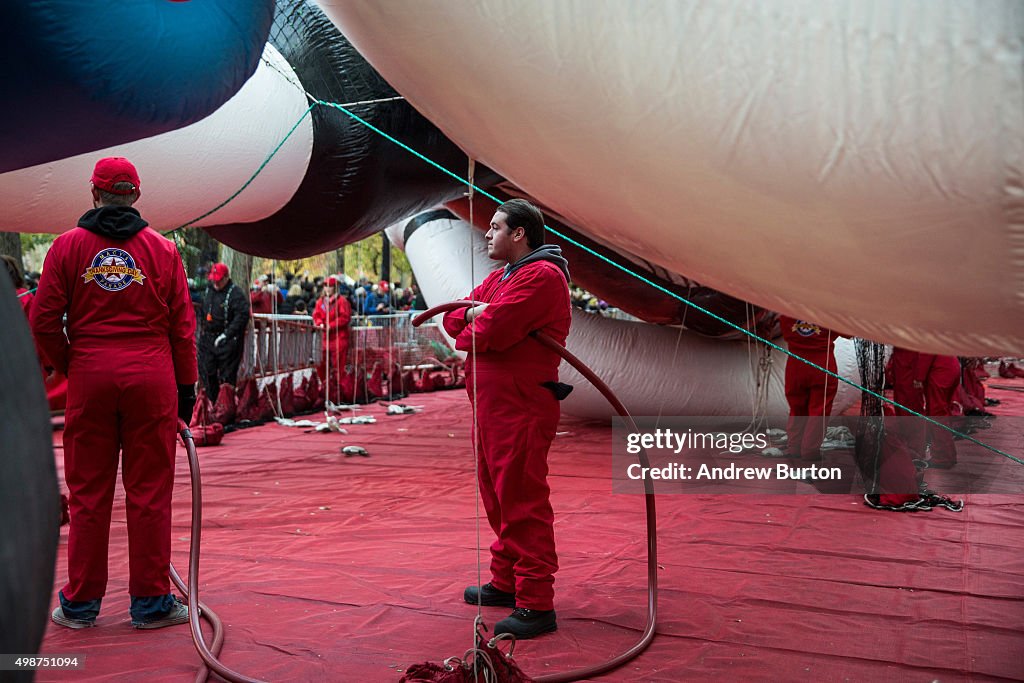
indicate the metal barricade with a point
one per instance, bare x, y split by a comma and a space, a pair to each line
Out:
390, 339
276, 344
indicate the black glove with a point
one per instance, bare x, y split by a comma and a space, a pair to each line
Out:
561, 390
186, 401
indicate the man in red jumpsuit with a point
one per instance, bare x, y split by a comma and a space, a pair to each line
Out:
809, 391
333, 313
130, 357
514, 389
926, 383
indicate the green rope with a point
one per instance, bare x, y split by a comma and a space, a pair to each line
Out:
604, 258
26, 292
252, 177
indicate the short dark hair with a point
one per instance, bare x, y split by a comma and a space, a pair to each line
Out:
523, 214
14, 270
126, 199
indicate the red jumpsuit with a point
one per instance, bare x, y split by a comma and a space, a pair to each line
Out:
809, 391
517, 418
130, 340
264, 300
25, 299
334, 316
939, 377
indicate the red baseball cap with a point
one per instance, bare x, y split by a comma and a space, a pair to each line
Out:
111, 170
218, 272
332, 281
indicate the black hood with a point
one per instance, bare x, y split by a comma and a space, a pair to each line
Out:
545, 252
117, 222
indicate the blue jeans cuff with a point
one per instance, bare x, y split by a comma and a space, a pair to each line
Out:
145, 609
84, 610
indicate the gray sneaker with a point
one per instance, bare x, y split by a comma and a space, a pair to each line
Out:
177, 615
58, 617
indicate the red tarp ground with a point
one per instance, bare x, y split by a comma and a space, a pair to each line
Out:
327, 568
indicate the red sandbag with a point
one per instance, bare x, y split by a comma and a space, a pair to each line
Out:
268, 401
375, 385
248, 401
424, 383
201, 411
300, 397
208, 435
442, 379
346, 388
225, 409
409, 382
396, 384
287, 396
314, 394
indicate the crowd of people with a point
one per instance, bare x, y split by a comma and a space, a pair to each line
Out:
292, 294
585, 301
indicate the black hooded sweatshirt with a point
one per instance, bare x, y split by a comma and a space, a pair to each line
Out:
115, 222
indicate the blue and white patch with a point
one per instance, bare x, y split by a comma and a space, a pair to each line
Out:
113, 269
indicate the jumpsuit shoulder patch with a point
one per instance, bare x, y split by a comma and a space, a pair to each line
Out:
806, 329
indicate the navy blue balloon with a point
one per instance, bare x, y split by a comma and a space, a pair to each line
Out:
82, 75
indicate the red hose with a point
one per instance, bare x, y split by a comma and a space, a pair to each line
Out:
652, 521
207, 653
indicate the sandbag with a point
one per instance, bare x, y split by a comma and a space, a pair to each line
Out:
300, 397
286, 395
208, 435
268, 402
225, 409
248, 401
201, 411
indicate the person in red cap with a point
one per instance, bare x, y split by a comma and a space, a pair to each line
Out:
516, 391
130, 357
333, 313
225, 317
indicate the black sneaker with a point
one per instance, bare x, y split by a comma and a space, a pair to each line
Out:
488, 596
933, 500
526, 623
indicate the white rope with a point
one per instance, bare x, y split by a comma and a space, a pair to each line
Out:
327, 350
473, 404
275, 340
824, 396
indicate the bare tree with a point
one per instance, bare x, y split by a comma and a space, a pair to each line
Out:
10, 244
239, 265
